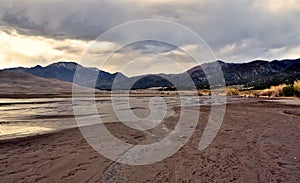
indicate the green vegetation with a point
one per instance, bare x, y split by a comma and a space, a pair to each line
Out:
288, 91
282, 90
297, 88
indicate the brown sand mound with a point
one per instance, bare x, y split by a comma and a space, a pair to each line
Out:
24, 85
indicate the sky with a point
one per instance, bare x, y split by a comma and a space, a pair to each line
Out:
35, 32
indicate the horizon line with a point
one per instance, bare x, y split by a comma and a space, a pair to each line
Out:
207, 62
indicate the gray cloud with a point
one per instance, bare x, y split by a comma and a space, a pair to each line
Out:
83, 19
148, 47
235, 30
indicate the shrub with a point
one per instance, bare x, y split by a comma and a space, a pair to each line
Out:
297, 88
232, 91
282, 90
199, 93
288, 91
278, 90
274, 91
266, 92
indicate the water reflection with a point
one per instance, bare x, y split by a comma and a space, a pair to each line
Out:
23, 117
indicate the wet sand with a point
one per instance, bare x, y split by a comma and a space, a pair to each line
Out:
258, 142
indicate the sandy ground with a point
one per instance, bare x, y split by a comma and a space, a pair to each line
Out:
258, 142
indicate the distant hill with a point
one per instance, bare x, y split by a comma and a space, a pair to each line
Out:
18, 84
65, 71
258, 74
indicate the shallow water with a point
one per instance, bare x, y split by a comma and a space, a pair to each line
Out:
25, 117
22, 117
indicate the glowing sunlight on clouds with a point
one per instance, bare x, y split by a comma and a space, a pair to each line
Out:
22, 50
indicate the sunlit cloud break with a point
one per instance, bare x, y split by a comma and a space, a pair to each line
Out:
23, 50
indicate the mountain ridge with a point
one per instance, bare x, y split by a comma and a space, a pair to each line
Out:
258, 74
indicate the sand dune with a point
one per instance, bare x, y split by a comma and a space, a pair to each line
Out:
23, 85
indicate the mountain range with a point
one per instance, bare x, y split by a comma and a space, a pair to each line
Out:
258, 74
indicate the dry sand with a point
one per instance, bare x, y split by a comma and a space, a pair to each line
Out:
24, 85
258, 142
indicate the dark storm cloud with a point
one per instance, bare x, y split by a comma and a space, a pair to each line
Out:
235, 30
59, 19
